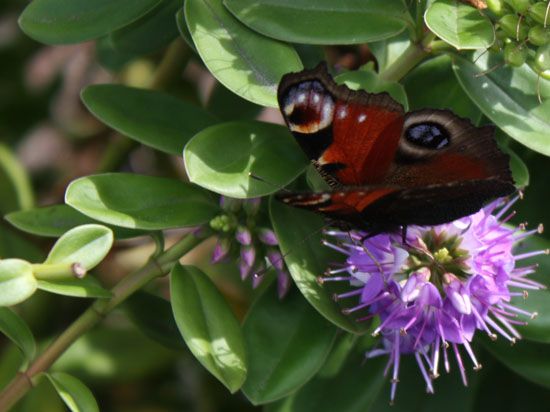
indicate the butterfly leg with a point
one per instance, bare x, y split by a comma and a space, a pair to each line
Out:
367, 251
404, 235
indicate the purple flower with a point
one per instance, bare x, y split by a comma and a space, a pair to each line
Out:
434, 292
253, 246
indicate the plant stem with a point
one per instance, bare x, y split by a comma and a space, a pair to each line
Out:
414, 54
92, 316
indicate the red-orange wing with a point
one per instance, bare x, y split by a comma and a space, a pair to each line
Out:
351, 136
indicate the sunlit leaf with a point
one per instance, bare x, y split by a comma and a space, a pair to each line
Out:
246, 62
142, 202
460, 24
322, 21
208, 325
221, 158
74, 21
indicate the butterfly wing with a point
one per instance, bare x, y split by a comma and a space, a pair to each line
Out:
382, 208
438, 147
388, 168
351, 136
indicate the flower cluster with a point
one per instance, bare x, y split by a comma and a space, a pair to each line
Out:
433, 292
244, 235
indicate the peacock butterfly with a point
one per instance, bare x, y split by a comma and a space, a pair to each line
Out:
388, 168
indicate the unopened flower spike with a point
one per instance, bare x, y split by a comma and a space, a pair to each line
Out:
243, 235
433, 293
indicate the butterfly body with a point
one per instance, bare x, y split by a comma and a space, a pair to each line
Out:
388, 168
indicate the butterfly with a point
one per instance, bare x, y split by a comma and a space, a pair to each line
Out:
387, 168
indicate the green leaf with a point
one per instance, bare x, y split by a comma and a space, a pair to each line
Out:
184, 31
54, 221
17, 282
153, 118
222, 157
73, 392
87, 287
208, 325
141, 202
151, 32
153, 316
419, 84
15, 328
75, 21
519, 169
537, 329
528, 359
353, 389
368, 80
387, 51
460, 25
86, 245
298, 232
15, 188
247, 63
287, 342
322, 21
507, 96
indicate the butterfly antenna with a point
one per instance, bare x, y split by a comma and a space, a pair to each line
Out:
261, 179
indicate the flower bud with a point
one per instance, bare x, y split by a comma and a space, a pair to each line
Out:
513, 27
243, 235
519, 6
498, 7
515, 54
538, 12
539, 36
267, 236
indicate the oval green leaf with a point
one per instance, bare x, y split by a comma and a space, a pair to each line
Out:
75, 21
222, 157
15, 328
141, 202
509, 98
298, 232
153, 316
87, 287
370, 81
519, 170
322, 21
17, 282
55, 220
287, 342
153, 118
151, 32
460, 25
208, 325
86, 245
244, 61
74, 393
